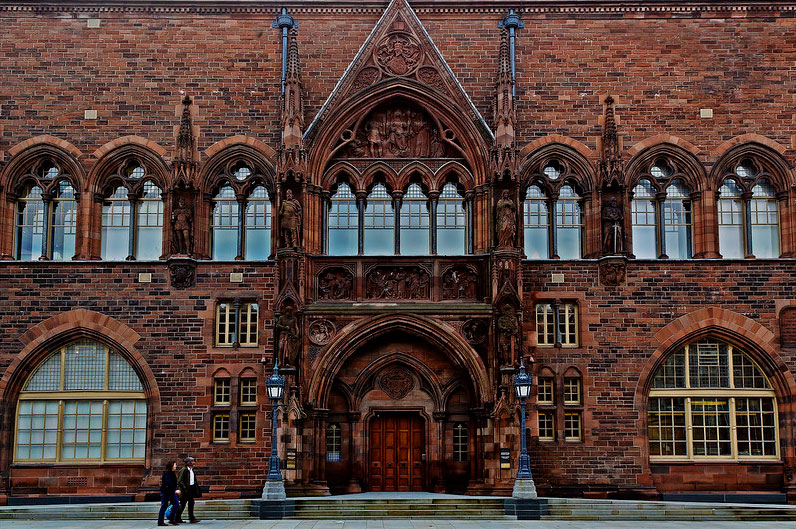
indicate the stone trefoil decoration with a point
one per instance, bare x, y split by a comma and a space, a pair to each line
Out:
321, 332
397, 382
335, 283
398, 282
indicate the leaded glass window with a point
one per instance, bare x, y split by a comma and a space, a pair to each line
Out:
149, 223
258, 225
225, 225
415, 222
343, 222
30, 225
379, 222
644, 223
569, 224
451, 222
731, 221
537, 224
677, 221
116, 225
63, 227
765, 220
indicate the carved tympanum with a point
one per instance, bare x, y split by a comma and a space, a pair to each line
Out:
397, 382
399, 131
321, 332
459, 282
335, 283
398, 54
398, 282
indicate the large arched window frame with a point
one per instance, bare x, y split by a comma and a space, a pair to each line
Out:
661, 202
241, 214
45, 225
553, 217
411, 221
750, 190
83, 403
709, 400
132, 213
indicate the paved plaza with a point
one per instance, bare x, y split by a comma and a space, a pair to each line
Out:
390, 524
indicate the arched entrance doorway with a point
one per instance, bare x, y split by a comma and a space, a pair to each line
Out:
400, 396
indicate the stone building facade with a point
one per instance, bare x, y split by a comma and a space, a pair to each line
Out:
398, 201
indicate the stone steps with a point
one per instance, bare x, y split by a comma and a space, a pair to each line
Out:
210, 509
432, 508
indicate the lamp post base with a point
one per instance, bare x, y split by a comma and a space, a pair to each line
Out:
524, 488
275, 490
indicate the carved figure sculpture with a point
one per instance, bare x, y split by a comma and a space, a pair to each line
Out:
459, 283
321, 332
506, 217
290, 220
375, 148
182, 227
288, 340
335, 283
612, 228
507, 327
397, 283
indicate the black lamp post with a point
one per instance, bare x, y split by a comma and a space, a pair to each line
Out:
523, 485
274, 488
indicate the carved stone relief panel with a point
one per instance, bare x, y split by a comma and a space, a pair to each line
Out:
321, 332
476, 331
398, 54
398, 282
336, 283
460, 282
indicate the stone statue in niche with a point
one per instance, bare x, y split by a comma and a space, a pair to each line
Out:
507, 327
398, 54
182, 228
288, 339
506, 217
399, 132
398, 283
459, 283
335, 283
613, 237
290, 220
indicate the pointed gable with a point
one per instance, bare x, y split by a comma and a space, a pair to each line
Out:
399, 47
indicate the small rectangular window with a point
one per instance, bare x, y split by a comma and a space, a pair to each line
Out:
568, 324
221, 427
572, 394
333, 443
547, 426
248, 392
221, 392
545, 325
226, 332
248, 324
460, 442
545, 394
572, 426
247, 430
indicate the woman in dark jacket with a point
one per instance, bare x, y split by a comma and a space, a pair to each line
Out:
168, 493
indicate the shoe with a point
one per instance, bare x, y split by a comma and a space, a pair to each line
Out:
162, 524
195, 520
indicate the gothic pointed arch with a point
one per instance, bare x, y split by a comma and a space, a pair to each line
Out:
428, 378
763, 157
350, 339
30, 157
113, 158
225, 155
677, 159
570, 156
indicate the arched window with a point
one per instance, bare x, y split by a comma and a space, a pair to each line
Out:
764, 220
677, 221
149, 223
710, 400
415, 222
379, 222
343, 222
224, 225
569, 225
84, 402
63, 226
537, 224
257, 243
116, 225
731, 223
30, 225
451, 222
644, 223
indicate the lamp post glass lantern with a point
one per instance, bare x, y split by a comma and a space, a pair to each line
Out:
523, 485
275, 386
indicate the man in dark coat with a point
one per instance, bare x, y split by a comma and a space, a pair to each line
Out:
189, 489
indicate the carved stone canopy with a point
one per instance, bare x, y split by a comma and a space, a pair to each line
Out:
399, 129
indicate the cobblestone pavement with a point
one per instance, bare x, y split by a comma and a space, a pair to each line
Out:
390, 524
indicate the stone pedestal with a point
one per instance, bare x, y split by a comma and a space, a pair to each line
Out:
524, 489
275, 491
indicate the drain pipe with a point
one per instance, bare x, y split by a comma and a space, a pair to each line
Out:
285, 22
512, 22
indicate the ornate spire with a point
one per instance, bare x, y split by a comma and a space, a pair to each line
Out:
504, 154
184, 161
292, 149
611, 165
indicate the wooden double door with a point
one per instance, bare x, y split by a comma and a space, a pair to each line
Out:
397, 452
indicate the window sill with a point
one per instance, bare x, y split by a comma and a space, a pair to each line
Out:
715, 461
123, 462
